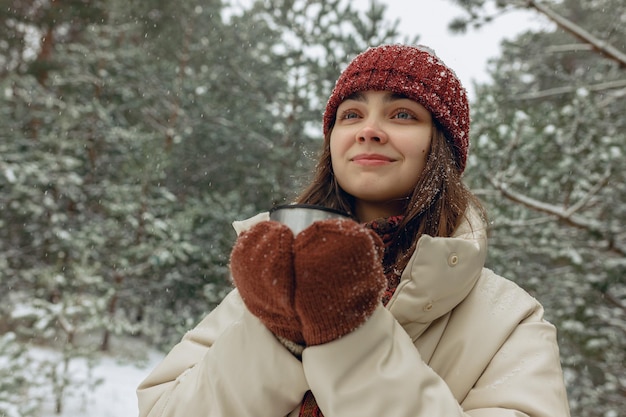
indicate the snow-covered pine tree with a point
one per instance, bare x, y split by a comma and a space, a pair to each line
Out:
548, 158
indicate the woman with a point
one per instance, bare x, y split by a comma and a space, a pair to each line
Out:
390, 314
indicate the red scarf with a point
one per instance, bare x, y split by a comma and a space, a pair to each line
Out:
385, 229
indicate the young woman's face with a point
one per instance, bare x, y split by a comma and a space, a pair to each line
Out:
379, 145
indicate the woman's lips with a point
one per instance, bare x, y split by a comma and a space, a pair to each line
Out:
372, 159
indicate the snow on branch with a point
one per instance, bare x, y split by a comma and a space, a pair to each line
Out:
568, 214
593, 191
609, 85
572, 47
565, 214
599, 45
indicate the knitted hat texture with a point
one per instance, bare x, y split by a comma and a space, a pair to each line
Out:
413, 71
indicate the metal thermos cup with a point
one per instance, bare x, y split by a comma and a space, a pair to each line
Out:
300, 216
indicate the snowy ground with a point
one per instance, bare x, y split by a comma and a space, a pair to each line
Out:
114, 396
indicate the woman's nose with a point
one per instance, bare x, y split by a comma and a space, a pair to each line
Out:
371, 132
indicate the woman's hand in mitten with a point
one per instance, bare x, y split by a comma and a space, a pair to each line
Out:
261, 263
339, 276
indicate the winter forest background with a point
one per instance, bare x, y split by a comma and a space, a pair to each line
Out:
133, 132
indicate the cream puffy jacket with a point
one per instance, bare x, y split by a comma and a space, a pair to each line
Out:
455, 340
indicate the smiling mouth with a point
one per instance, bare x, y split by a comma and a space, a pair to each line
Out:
372, 159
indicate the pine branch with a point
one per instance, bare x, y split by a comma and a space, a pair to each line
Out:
565, 214
551, 209
593, 191
572, 47
609, 85
612, 299
521, 223
604, 48
67, 327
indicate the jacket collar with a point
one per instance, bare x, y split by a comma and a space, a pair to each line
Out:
439, 275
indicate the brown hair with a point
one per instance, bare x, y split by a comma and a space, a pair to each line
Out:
435, 207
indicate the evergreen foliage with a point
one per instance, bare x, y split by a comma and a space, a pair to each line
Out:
548, 159
132, 135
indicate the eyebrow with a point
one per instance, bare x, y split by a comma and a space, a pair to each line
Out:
389, 97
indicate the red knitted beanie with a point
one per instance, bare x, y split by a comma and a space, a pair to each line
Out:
413, 71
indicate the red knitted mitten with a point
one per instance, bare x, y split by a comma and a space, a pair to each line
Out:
339, 278
261, 263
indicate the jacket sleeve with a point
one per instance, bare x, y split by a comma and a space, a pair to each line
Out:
229, 365
524, 375
377, 370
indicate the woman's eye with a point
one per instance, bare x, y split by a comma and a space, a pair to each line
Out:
402, 114
349, 114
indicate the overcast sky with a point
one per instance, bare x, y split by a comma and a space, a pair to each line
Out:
468, 53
